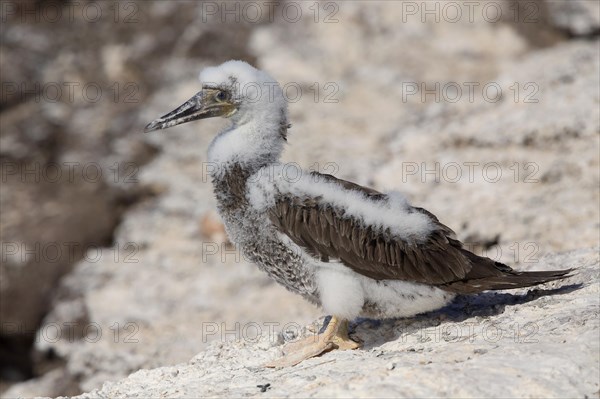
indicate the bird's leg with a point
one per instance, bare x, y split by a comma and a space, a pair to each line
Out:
335, 336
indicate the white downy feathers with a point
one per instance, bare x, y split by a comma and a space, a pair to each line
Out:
261, 110
392, 213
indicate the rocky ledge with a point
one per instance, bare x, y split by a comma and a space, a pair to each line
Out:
528, 343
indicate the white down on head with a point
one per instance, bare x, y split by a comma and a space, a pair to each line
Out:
254, 136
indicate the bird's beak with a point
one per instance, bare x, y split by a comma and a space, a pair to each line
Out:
202, 105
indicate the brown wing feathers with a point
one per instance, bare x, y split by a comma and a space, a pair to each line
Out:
328, 233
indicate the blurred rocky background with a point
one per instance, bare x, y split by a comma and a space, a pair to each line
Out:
113, 260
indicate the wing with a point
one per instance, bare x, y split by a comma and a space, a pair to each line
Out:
328, 232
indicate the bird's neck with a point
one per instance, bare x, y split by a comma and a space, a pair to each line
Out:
236, 154
248, 144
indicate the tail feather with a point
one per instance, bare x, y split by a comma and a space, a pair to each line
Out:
489, 275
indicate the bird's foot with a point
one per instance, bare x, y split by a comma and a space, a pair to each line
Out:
335, 336
342, 340
302, 351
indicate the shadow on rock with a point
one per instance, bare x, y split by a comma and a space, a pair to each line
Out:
374, 333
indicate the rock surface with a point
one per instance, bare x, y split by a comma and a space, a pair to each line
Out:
535, 343
579, 17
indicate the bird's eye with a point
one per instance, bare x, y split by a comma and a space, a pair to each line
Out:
222, 96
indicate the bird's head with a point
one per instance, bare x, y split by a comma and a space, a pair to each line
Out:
234, 90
